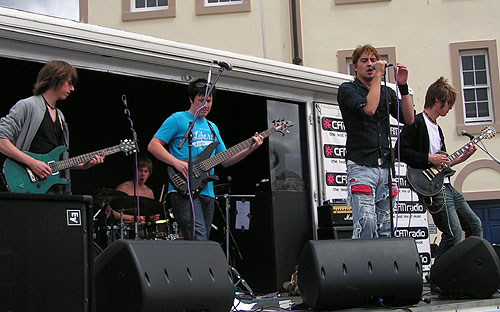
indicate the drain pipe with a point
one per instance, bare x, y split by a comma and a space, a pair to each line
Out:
296, 32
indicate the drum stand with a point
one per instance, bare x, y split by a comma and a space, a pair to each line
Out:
238, 278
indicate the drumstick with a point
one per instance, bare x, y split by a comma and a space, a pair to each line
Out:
161, 194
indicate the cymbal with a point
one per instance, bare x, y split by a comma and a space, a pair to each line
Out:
103, 196
222, 188
104, 192
148, 206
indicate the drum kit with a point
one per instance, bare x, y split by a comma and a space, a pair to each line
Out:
107, 228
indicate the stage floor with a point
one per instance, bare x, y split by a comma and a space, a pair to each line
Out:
294, 303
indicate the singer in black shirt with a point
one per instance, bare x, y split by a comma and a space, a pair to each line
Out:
363, 107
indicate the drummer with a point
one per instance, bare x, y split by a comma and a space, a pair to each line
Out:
145, 169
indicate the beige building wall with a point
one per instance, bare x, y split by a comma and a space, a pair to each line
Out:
417, 33
262, 32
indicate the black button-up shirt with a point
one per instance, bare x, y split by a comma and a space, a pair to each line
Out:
367, 136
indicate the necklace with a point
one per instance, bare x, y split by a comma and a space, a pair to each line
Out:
432, 120
47, 103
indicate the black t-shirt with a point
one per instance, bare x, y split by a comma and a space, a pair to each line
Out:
48, 136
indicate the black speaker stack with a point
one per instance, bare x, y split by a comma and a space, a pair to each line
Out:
334, 220
45, 260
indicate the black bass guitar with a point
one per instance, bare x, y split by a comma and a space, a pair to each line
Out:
202, 164
429, 182
21, 179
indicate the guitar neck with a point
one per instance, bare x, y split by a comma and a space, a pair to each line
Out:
464, 148
73, 161
209, 163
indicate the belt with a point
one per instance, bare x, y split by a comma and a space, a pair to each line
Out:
380, 161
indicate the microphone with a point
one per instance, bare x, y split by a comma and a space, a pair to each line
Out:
386, 65
465, 133
223, 64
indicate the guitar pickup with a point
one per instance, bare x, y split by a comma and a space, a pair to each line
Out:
428, 174
33, 178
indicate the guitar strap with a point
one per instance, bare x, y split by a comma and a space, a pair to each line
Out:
212, 129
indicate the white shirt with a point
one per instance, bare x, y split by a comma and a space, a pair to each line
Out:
435, 143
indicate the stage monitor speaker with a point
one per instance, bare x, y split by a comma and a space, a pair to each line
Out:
162, 275
45, 253
354, 273
470, 268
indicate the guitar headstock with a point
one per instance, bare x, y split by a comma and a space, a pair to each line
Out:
282, 125
488, 132
128, 146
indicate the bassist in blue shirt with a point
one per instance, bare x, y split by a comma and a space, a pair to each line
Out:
164, 147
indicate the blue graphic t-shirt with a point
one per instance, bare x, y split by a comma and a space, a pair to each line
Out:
173, 129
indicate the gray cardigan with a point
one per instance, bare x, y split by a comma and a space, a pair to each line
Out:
21, 125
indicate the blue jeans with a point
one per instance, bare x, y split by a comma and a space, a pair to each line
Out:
368, 195
451, 217
203, 215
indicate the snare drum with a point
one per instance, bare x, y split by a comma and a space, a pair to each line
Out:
106, 235
160, 229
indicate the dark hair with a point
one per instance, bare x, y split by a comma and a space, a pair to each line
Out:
145, 162
198, 87
53, 75
442, 91
356, 54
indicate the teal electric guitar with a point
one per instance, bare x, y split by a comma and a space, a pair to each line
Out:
21, 179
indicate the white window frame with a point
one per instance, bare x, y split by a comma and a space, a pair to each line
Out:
130, 13
476, 120
147, 9
456, 48
218, 3
205, 8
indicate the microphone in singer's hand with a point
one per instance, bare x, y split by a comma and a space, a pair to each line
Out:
467, 134
386, 65
223, 64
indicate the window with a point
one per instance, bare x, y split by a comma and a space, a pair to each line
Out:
356, 1
146, 9
344, 58
222, 2
148, 5
204, 7
475, 76
475, 86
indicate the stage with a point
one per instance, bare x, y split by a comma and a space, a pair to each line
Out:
294, 303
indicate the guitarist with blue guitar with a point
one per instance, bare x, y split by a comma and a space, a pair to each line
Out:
34, 130
206, 142
429, 168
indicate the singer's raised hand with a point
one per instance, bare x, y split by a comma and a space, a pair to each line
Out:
402, 74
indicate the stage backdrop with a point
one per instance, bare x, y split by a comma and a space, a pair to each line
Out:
410, 217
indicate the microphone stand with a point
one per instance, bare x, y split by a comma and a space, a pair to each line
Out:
189, 136
488, 153
392, 171
136, 174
